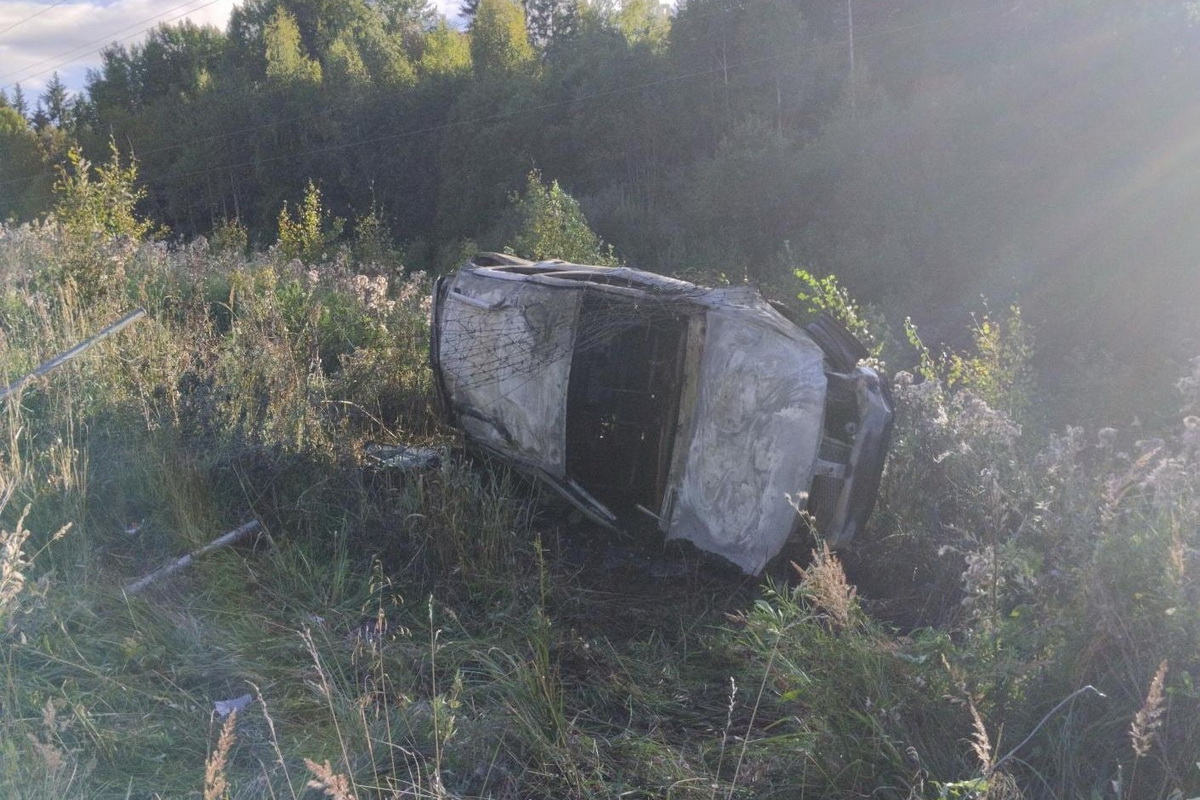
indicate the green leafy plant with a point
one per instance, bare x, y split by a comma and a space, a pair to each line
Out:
826, 294
998, 367
372, 245
230, 237
96, 207
99, 201
552, 225
310, 232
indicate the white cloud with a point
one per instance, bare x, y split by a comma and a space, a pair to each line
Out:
68, 38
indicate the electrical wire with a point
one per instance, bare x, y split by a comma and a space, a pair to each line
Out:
32, 16
482, 120
105, 39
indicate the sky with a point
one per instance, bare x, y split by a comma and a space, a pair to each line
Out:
40, 37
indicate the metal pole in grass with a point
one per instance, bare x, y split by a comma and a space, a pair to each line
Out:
224, 540
62, 358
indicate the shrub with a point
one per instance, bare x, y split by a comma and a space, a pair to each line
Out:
230, 237
1058, 558
372, 247
98, 202
96, 210
308, 235
552, 225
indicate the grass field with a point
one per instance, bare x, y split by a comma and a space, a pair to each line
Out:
453, 633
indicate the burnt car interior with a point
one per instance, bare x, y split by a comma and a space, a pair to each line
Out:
623, 402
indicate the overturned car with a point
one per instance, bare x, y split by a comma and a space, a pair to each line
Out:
644, 399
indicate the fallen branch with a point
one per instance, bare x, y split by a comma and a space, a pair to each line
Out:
64, 357
224, 540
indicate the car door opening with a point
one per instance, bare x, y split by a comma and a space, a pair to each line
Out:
623, 401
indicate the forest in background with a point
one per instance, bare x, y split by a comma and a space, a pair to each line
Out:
928, 154
1021, 617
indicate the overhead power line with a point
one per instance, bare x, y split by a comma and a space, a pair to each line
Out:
481, 120
19, 23
106, 40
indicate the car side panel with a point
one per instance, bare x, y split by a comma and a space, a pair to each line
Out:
504, 353
755, 432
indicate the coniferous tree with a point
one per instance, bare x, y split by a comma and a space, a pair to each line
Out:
467, 11
56, 101
19, 104
40, 119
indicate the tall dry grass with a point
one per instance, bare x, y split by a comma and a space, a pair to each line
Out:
433, 635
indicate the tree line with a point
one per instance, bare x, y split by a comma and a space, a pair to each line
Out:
926, 153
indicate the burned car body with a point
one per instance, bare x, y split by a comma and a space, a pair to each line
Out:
646, 399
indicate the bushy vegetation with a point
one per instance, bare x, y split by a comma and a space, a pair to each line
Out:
1061, 561
1025, 621
925, 153
550, 224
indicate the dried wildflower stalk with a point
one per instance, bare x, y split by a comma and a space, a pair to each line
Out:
824, 581
333, 784
216, 786
981, 745
12, 562
1148, 719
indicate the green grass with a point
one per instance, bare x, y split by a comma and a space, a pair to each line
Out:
439, 634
